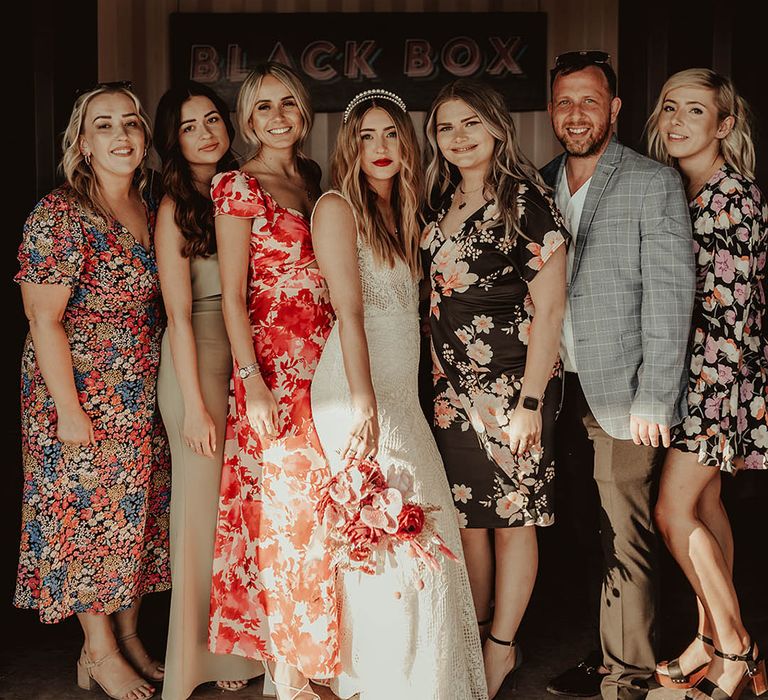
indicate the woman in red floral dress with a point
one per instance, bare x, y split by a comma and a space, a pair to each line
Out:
273, 591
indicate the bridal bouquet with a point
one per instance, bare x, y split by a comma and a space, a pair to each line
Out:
365, 517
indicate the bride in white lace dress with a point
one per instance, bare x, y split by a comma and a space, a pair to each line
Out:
406, 633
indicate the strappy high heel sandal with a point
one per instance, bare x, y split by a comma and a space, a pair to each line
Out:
518, 661
670, 675
754, 673
86, 678
483, 628
142, 661
277, 685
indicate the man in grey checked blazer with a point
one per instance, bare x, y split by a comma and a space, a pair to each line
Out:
625, 336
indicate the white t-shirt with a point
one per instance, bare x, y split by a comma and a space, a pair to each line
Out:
570, 206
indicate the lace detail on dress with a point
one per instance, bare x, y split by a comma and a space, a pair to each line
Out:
386, 290
400, 637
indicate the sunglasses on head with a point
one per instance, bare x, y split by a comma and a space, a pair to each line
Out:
114, 85
580, 58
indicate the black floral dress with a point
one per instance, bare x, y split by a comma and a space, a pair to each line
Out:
480, 318
728, 377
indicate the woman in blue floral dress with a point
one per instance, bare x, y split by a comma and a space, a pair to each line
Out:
96, 486
700, 125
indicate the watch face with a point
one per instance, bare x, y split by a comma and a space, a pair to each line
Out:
530, 403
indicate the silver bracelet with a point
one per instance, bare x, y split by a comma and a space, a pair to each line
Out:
248, 370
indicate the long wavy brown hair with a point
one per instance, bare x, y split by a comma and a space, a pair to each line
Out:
347, 176
76, 171
509, 168
193, 211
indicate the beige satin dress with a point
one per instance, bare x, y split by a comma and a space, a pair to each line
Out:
195, 496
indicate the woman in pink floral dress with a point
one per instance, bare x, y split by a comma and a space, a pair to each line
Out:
272, 596
700, 125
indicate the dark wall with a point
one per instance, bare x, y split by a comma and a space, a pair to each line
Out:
657, 39
63, 42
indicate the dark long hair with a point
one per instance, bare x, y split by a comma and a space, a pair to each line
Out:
194, 213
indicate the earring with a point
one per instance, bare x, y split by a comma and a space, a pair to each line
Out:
88, 159
145, 152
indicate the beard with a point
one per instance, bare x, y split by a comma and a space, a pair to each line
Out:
584, 148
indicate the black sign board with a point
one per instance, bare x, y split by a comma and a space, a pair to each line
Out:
340, 54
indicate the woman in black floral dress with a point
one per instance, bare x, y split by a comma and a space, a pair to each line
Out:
494, 253
700, 126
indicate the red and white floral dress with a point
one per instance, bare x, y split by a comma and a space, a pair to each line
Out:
273, 595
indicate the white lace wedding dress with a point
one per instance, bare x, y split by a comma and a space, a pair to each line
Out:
399, 639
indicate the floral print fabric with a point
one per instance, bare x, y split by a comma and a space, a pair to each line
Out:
95, 518
480, 318
273, 584
728, 380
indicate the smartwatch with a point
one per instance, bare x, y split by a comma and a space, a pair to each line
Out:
531, 403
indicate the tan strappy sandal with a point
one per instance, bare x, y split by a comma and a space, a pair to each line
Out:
87, 680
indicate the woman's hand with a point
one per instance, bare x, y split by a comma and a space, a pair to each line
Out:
74, 427
363, 440
261, 408
199, 431
524, 430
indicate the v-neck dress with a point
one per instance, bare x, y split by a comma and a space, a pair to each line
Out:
94, 518
728, 374
273, 593
480, 317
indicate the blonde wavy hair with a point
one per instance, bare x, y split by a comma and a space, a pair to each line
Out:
737, 148
78, 174
509, 167
348, 177
249, 92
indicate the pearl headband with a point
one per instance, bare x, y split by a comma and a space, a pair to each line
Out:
372, 95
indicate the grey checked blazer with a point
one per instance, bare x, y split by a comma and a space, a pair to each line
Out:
631, 289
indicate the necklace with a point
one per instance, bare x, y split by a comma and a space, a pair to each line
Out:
464, 194
694, 186
307, 191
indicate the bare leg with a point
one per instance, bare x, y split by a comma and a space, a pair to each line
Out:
517, 559
712, 513
701, 557
478, 555
115, 672
126, 622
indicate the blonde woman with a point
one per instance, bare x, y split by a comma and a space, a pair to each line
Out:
404, 635
94, 531
700, 125
272, 596
495, 253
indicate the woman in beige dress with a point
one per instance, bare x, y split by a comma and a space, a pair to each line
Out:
193, 139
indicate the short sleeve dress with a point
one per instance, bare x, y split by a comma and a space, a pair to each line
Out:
728, 376
94, 519
480, 317
273, 591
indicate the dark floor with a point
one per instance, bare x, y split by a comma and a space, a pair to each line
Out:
37, 662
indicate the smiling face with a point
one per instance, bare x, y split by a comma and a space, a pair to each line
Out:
203, 137
276, 120
112, 135
461, 136
583, 112
689, 123
380, 145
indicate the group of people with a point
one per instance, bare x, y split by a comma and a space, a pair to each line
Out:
622, 292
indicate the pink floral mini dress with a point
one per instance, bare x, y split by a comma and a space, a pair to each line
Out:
728, 378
